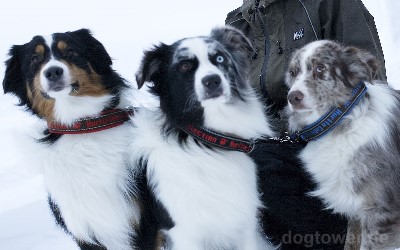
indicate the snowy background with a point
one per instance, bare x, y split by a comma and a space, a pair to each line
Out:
125, 28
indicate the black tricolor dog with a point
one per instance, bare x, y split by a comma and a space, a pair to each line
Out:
67, 79
208, 195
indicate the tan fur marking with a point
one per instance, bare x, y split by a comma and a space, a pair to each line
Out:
39, 49
62, 45
89, 84
44, 107
160, 240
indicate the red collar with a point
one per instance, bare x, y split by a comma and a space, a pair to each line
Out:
219, 140
106, 119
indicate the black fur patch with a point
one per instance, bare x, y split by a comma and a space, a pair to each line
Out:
82, 50
162, 66
24, 63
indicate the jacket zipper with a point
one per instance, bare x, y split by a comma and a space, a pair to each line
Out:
267, 49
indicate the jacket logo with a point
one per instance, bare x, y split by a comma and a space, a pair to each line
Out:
298, 34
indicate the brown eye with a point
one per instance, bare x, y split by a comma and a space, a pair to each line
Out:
185, 67
320, 68
293, 72
36, 58
69, 52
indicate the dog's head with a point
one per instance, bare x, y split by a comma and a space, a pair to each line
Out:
64, 76
321, 75
197, 73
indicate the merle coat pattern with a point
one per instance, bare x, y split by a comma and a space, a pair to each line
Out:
357, 164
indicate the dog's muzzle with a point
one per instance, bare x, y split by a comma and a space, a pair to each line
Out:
55, 76
212, 86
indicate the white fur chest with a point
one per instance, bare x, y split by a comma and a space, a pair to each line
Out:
88, 178
206, 182
328, 160
332, 159
210, 195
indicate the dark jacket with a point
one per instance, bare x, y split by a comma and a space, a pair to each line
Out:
277, 28
289, 24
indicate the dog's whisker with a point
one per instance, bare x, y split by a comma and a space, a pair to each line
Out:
191, 103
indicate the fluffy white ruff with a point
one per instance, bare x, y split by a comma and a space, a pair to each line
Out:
331, 159
88, 177
211, 195
68, 109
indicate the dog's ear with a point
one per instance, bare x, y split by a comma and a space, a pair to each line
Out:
152, 65
358, 65
233, 39
13, 81
13, 73
95, 51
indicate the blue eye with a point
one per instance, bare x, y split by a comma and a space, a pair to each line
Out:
320, 68
220, 59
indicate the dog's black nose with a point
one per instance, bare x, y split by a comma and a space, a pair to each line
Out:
211, 82
54, 73
295, 97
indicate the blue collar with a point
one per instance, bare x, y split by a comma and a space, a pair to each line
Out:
331, 119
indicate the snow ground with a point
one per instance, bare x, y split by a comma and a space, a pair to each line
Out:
25, 221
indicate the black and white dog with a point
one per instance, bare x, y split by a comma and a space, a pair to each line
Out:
67, 79
356, 162
208, 194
